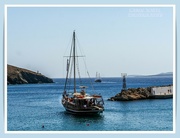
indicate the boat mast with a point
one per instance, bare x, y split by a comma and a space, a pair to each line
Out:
74, 58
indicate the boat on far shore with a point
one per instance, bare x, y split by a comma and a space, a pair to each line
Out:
98, 78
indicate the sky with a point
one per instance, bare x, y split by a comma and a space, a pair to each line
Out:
115, 40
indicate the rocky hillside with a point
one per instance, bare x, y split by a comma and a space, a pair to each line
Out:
17, 75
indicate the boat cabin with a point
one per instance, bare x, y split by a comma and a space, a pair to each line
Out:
85, 101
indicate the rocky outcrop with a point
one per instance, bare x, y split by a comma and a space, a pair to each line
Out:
17, 75
132, 94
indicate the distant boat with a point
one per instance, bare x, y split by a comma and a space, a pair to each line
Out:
74, 101
98, 78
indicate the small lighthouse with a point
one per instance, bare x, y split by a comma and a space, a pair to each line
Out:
123, 75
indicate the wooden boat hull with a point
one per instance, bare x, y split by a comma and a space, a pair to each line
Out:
84, 112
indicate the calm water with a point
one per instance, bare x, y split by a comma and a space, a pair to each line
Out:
33, 105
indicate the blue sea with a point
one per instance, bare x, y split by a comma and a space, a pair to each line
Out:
31, 106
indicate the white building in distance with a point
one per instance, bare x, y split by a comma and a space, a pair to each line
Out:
162, 92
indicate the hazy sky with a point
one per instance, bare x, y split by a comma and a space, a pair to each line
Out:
135, 40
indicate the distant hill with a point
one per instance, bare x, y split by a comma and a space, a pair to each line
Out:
164, 74
16, 75
167, 74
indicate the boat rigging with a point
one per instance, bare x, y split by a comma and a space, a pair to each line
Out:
77, 101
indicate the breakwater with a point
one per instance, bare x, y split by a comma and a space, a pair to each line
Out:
143, 93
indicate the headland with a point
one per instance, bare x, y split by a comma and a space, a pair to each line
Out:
16, 75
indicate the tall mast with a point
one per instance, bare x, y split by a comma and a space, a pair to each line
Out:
74, 57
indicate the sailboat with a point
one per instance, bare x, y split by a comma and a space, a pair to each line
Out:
74, 100
98, 78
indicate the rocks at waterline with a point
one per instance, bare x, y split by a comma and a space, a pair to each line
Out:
132, 94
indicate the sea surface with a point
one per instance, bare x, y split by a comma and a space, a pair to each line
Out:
37, 107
